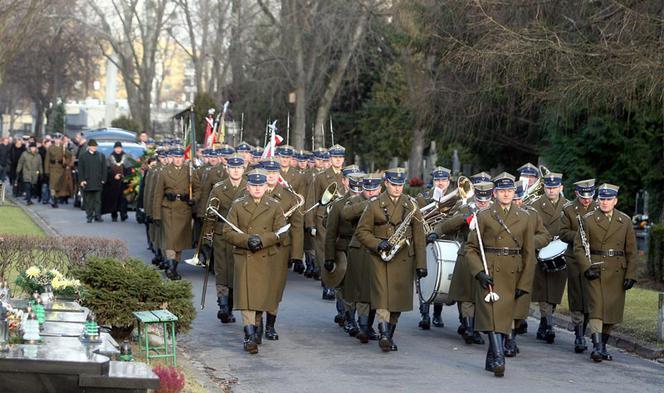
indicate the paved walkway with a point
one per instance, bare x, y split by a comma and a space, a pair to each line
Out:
314, 355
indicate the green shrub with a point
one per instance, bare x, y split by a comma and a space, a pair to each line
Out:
114, 289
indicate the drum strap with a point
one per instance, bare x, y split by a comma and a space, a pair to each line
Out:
502, 223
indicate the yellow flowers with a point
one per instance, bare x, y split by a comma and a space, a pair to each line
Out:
33, 272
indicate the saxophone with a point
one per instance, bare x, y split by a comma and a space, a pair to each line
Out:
398, 238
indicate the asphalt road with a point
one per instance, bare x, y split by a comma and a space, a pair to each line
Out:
314, 355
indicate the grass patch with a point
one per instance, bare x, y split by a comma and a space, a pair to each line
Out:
640, 315
14, 221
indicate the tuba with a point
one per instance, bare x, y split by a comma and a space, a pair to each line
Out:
436, 211
537, 189
398, 238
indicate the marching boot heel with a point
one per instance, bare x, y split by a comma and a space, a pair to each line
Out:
340, 318
425, 321
496, 341
354, 329
258, 336
511, 349
550, 333
489, 363
467, 332
437, 319
596, 354
393, 346
270, 332
605, 354
579, 340
541, 330
363, 334
223, 312
373, 336
384, 340
249, 342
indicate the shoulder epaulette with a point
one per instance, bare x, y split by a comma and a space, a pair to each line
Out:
568, 204
590, 213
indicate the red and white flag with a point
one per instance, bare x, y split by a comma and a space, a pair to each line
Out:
272, 143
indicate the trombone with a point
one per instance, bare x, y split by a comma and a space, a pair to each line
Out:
299, 204
537, 189
436, 211
330, 195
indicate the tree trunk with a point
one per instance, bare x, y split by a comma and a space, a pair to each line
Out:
416, 150
299, 129
337, 77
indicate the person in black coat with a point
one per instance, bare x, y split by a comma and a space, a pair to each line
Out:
113, 198
15, 153
92, 172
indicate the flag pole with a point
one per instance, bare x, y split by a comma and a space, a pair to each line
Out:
288, 129
331, 131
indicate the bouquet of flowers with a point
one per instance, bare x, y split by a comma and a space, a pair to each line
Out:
35, 279
136, 171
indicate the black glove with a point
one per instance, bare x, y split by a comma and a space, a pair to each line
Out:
329, 265
628, 284
518, 293
484, 280
591, 274
254, 243
384, 245
432, 237
421, 273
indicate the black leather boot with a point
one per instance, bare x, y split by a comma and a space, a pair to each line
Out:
522, 328
363, 334
541, 330
315, 274
340, 318
250, 339
298, 267
393, 346
270, 332
579, 340
259, 332
596, 354
223, 312
550, 333
425, 322
496, 342
467, 332
172, 272
489, 363
605, 354
384, 340
328, 294
437, 320
373, 336
477, 337
353, 329
231, 317
511, 349
309, 269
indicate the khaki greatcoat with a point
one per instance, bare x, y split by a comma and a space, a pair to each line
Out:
392, 282
175, 215
549, 286
254, 272
606, 300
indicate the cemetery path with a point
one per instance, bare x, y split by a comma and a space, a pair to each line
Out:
314, 355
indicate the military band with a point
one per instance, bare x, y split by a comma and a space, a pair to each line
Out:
367, 240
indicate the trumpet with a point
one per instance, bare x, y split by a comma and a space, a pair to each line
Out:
537, 189
436, 211
330, 195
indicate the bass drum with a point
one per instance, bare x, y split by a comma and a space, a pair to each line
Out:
441, 258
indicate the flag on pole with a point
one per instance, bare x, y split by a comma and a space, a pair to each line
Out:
273, 141
209, 128
190, 137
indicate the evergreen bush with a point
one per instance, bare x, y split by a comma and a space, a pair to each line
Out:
113, 289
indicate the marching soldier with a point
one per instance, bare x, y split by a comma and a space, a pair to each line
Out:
260, 218
528, 172
357, 282
548, 287
338, 234
522, 308
244, 149
318, 157
197, 179
441, 182
605, 249
148, 202
292, 176
480, 177
291, 244
315, 219
508, 248
55, 163
577, 285
226, 191
256, 154
392, 282
215, 173
173, 210
463, 283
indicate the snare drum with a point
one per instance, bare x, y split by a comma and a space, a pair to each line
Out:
552, 258
441, 258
